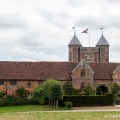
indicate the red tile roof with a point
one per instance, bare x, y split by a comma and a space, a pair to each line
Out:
36, 70
54, 70
103, 70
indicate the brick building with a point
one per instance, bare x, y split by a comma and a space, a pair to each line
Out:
100, 53
87, 65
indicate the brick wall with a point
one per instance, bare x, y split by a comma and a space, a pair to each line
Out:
11, 89
78, 79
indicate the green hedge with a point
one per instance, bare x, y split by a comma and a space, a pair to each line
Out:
85, 100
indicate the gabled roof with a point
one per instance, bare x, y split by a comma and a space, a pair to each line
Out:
103, 71
102, 41
74, 41
36, 70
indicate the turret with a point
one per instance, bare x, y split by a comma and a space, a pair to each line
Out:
103, 46
74, 49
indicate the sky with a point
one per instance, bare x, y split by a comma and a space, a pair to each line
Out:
40, 30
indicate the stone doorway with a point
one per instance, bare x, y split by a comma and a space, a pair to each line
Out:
101, 90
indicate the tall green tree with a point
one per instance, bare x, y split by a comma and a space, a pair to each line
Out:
37, 95
52, 89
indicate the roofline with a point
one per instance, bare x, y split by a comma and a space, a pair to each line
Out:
103, 79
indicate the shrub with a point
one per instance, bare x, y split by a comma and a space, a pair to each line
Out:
88, 90
21, 101
115, 88
11, 100
68, 89
68, 105
117, 101
85, 100
2, 95
21, 93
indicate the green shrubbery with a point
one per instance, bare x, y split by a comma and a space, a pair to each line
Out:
85, 100
68, 105
52, 91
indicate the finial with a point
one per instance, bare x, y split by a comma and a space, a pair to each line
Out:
102, 29
74, 29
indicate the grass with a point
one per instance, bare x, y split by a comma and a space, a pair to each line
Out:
28, 108
37, 112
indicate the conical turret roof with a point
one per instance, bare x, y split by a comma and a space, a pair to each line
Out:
102, 41
74, 41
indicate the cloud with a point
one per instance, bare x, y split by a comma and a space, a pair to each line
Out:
113, 1
22, 54
79, 3
58, 19
109, 21
12, 21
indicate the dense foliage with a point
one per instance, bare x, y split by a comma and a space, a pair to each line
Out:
52, 90
88, 90
21, 93
68, 89
115, 88
85, 100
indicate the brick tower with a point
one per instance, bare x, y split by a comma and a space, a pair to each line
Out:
74, 49
103, 47
77, 52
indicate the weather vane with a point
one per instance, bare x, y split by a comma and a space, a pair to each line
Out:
102, 28
74, 29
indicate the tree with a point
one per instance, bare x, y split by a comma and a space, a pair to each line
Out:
56, 93
115, 88
52, 90
68, 89
38, 91
21, 93
37, 96
88, 90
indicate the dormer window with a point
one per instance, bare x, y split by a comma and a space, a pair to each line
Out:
82, 73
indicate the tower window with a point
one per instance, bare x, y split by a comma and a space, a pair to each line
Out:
89, 55
82, 73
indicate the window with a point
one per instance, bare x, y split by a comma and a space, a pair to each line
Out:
1, 82
13, 82
82, 73
89, 55
29, 85
40, 82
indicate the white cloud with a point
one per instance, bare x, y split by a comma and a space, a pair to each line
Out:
22, 54
42, 28
11, 21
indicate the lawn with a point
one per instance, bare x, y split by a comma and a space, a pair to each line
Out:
28, 108
44, 113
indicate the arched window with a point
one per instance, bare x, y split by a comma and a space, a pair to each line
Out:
101, 90
82, 72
